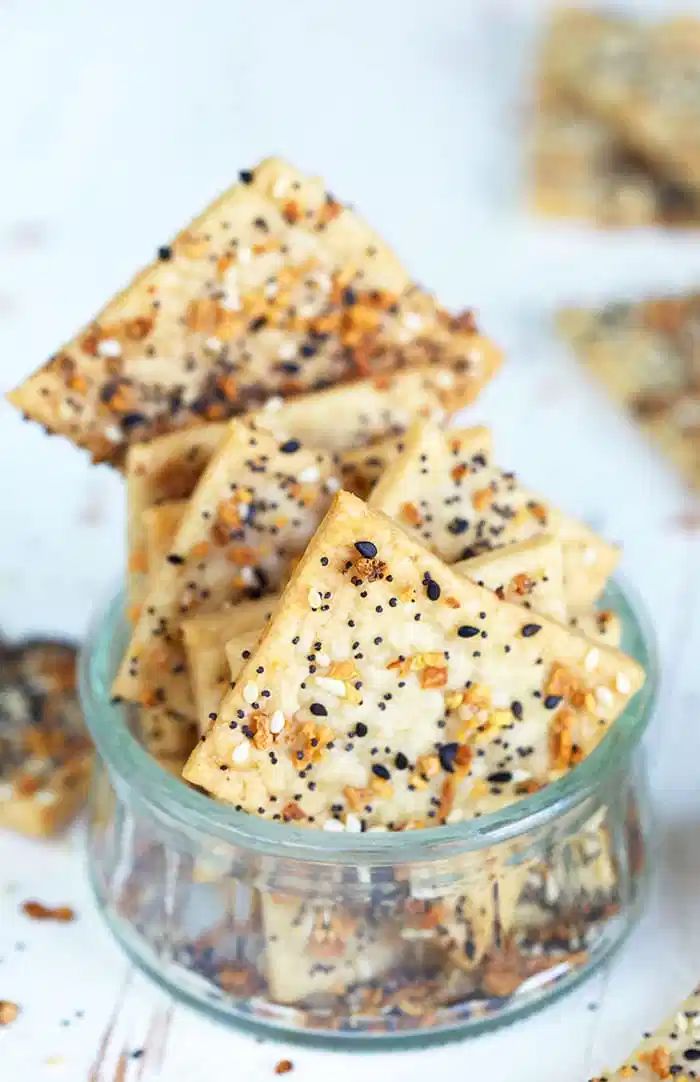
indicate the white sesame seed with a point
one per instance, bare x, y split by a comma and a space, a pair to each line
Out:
248, 576
241, 752
331, 685
314, 598
231, 300
444, 379
45, 797
287, 351
681, 1022
333, 825
323, 659
113, 433
109, 347
250, 692
353, 823
214, 344
591, 659
274, 403
521, 775
413, 320
279, 187
590, 556
244, 255
455, 816
277, 722
332, 484
622, 683
604, 696
310, 474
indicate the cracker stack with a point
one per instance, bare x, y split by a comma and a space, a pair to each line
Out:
422, 658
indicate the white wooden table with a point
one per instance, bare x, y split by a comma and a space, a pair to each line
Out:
118, 122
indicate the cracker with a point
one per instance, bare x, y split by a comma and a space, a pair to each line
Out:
251, 515
169, 467
262, 294
45, 753
206, 639
528, 573
386, 686
316, 948
670, 1051
445, 489
646, 356
580, 169
644, 80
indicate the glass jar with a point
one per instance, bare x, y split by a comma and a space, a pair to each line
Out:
370, 939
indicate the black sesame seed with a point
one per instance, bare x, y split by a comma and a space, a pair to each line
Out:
366, 548
432, 590
400, 762
289, 447
552, 701
165, 253
173, 558
447, 754
467, 631
361, 729
381, 771
531, 629
516, 709
458, 525
499, 777
319, 710
245, 176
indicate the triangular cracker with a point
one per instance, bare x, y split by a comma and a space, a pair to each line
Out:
670, 1051
206, 641
389, 690
169, 467
445, 489
528, 573
249, 518
275, 289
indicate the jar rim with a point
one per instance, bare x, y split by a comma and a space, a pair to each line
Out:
194, 811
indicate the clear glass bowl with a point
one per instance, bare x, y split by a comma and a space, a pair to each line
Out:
371, 939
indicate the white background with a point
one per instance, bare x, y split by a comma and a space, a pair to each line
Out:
120, 121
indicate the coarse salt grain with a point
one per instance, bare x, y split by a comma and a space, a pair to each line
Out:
353, 823
444, 379
323, 659
331, 685
332, 484
591, 660
240, 753
109, 347
250, 692
455, 816
244, 255
287, 351
274, 403
214, 344
314, 598
248, 576
310, 474
333, 825
277, 722
589, 556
